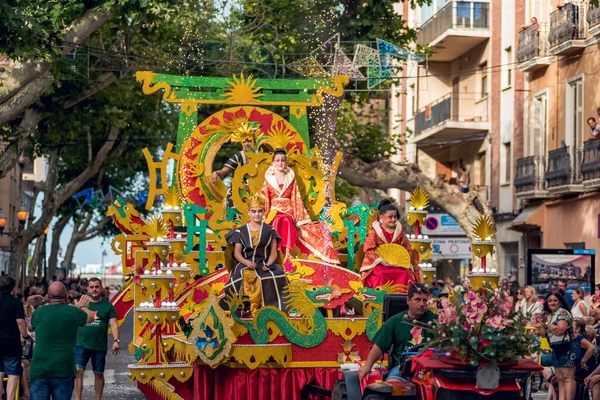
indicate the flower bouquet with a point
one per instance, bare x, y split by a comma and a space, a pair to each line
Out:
481, 327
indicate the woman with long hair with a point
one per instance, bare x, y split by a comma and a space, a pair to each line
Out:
285, 211
579, 309
559, 331
595, 298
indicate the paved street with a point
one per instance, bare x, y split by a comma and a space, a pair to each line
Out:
117, 383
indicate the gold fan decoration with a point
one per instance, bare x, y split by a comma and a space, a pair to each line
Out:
173, 198
419, 199
155, 227
239, 129
394, 254
484, 228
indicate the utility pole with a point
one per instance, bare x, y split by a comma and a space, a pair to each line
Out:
104, 253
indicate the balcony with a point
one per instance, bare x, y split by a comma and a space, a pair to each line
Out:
529, 179
532, 53
563, 173
590, 165
593, 20
451, 118
567, 29
455, 29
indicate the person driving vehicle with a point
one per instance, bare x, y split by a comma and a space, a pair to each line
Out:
401, 332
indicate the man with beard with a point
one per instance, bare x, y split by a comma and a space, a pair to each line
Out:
92, 339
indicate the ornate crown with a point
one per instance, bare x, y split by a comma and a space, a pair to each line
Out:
245, 130
256, 200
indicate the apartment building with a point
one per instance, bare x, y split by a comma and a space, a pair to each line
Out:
557, 179
507, 93
16, 193
461, 108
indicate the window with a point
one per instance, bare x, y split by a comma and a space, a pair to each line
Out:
484, 80
509, 70
506, 158
539, 125
575, 119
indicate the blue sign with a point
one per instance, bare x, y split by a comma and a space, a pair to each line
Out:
584, 251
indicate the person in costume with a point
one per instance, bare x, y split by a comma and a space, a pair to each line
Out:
375, 271
286, 212
245, 133
255, 249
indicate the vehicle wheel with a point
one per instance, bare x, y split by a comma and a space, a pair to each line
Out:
340, 391
374, 397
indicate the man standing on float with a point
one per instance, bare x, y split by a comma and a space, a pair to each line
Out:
247, 134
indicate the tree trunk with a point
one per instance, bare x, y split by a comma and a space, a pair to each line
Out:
37, 258
25, 82
55, 197
57, 230
68, 260
12, 152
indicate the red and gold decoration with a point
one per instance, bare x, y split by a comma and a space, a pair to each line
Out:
416, 216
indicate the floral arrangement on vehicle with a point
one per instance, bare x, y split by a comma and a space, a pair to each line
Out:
482, 326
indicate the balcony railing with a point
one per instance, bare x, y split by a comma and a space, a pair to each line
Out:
567, 24
563, 167
530, 174
590, 165
593, 18
460, 107
533, 43
454, 15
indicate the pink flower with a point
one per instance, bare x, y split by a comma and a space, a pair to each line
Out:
470, 297
289, 267
496, 322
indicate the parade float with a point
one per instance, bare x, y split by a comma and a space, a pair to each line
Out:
187, 342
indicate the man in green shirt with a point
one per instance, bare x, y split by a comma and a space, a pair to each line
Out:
92, 339
401, 332
56, 326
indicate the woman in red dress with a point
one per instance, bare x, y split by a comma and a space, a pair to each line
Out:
286, 213
375, 271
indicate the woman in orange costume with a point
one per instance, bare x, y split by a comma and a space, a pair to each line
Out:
286, 213
375, 271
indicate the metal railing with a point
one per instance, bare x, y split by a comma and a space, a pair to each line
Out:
454, 15
593, 16
459, 107
567, 23
590, 164
564, 167
532, 42
530, 174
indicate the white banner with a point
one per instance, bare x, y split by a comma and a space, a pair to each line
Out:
441, 224
451, 248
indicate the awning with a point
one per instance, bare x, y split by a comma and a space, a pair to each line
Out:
531, 217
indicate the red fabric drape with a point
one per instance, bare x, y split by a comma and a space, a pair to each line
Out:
258, 384
285, 227
382, 275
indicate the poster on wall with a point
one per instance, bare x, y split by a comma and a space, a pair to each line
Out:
546, 266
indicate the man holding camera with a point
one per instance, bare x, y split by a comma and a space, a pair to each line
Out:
12, 322
92, 339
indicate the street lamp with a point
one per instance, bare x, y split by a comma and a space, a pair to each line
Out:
22, 215
45, 262
104, 254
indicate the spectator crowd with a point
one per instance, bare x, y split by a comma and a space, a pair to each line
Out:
49, 334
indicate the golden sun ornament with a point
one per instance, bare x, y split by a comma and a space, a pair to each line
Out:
155, 227
419, 199
484, 229
242, 91
280, 136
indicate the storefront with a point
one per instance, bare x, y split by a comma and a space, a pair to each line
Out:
562, 224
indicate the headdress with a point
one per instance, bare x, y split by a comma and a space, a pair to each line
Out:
242, 130
256, 200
